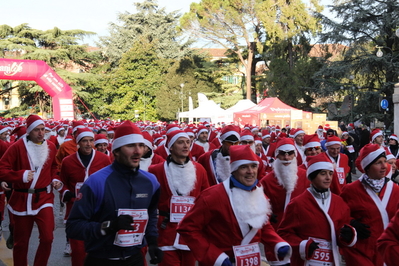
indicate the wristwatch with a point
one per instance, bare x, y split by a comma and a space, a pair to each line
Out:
105, 227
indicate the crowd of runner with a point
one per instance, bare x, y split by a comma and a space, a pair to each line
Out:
201, 193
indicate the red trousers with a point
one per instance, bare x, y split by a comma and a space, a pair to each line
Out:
177, 258
78, 254
22, 230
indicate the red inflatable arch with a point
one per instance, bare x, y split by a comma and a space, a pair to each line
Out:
46, 77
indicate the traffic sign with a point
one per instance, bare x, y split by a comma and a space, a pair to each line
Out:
384, 103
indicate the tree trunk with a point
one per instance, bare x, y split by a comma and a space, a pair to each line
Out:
248, 70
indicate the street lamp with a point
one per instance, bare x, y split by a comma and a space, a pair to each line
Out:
181, 95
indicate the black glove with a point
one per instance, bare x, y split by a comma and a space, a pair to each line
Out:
68, 196
312, 247
156, 254
346, 233
122, 222
362, 230
273, 218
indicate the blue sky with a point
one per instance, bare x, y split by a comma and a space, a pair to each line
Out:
89, 15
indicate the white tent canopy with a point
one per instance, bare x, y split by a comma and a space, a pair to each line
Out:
241, 105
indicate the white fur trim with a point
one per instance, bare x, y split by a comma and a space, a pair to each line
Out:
247, 137
312, 144
201, 130
175, 137
222, 257
172, 129
370, 157
393, 137
354, 239
4, 130
298, 132
287, 257
266, 136
376, 135
25, 176
127, 139
234, 165
319, 166
330, 143
99, 141
148, 143
84, 134
33, 125
285, 147
229, 133
76, 128
302, 249
31, 212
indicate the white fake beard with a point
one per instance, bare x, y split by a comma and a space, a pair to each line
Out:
222, 166
47, 135
38, 153
286, 174
145, 163
251, 207
183, 178
253, 147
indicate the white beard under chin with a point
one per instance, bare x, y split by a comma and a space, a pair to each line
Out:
253, 147
251, 207
38, 153
145, 163
222, 167
287, 175
183, 178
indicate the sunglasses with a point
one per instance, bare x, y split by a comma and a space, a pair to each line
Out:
244, 142
232, 143
313, 148
283, 153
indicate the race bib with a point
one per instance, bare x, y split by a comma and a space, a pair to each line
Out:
341, 175
128, 238
247, 255
322, 256
78, 186
179, 206
350, 148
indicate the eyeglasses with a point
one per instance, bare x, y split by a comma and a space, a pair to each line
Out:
244, 142
232, 143
313, 148
283, 153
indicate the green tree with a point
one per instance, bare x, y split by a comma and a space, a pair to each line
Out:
134, 85
150, 22
361, 31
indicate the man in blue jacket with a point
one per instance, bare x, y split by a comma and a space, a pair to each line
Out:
115, 212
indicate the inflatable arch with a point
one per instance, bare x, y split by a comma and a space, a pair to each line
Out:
46, 78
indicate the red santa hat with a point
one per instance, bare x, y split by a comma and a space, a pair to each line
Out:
246, 135
277, 128
230, 132
157, 138
318, 162
100, 138
265, 134
201, 129
375, 133
76, 125
367, 155
258, 140
393, 136
110, 130
189, 131
172, 127
3, 129
389, 154
311, 141
148, 140
332, 141
241, 154
60, 128
320, 128
19, 131
284, 144
173, 136
68, 138
33, 121
345, 133
326, 126
254, 129
297, 132
83, 132
127, 133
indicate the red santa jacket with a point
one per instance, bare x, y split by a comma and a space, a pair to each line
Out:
73, 171
14, 164
374, 210
339, 179
211, 228
278, 196
388, 243
304, 218
167, 235
196, 151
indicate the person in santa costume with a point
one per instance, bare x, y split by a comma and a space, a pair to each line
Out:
75, 169
373, 201
101, 144
69, 147
377, 137
316, 223
246, 138
340, 162
115, 211
393, 145
388, 242
149, 158
232, 217
298, 136
29, 164
286, 181
217, 162
61, 134
162, 150
195, 150
182, 181
202, 139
